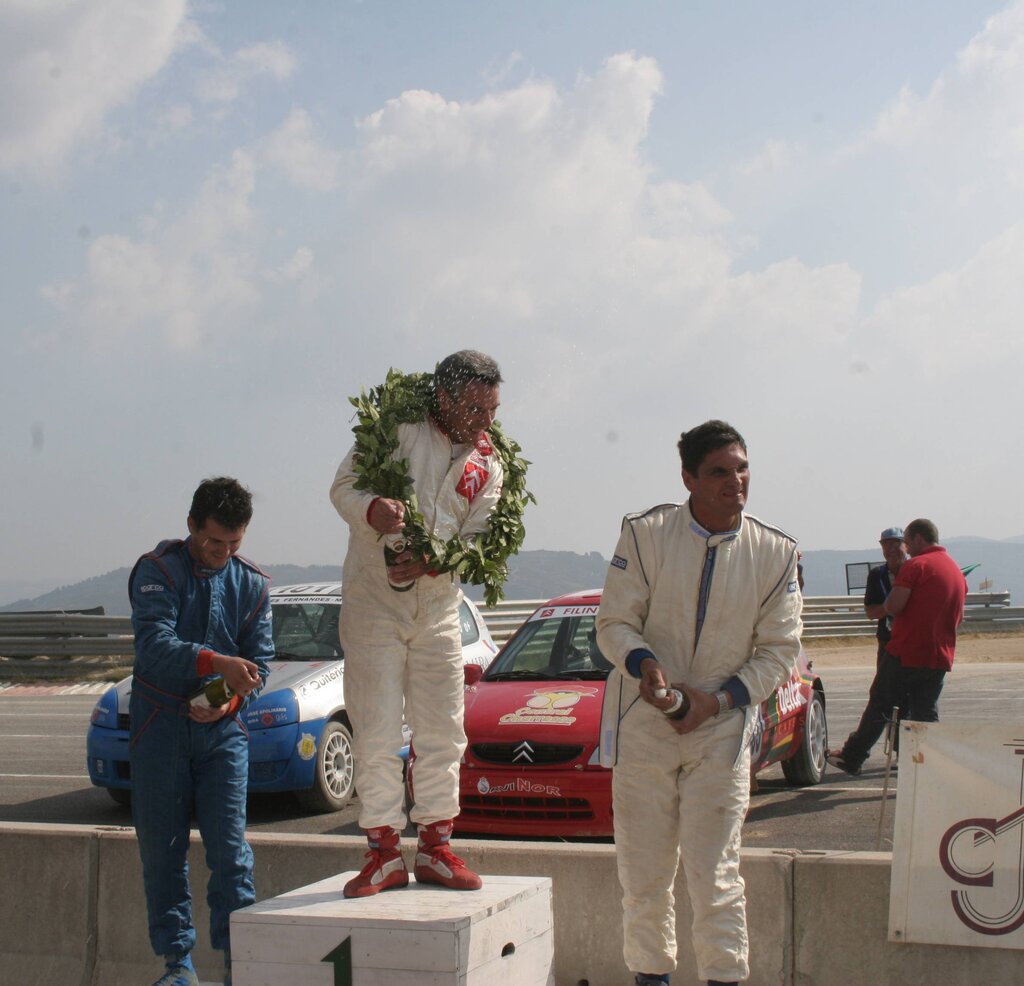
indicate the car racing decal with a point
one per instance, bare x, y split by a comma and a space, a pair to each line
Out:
306, 747
474, 476
521, 785
777, 729
560, 612
552, 705
325, 679
268, 717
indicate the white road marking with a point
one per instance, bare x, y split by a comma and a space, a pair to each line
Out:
60, 777
43, 715
45, 736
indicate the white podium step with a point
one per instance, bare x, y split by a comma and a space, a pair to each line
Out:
500, 935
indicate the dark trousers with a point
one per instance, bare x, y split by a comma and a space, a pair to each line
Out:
179, 765
886, 692
914, 690
922, 686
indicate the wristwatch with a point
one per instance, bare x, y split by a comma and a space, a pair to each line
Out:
723, 703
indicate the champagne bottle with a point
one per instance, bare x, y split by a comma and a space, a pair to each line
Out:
680, 702
212, 695
393, 547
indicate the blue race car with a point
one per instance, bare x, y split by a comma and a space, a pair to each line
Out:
300, 737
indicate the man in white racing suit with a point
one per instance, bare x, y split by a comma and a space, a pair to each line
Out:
400, 631
702, 598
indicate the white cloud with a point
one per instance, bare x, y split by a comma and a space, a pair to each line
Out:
185, 279
498, 70
978, 98
300, 264
530, 221
521, 199
534, 212
294, 149
968, 129
175, 117
65, 65
225, 82
774, 155
959, 319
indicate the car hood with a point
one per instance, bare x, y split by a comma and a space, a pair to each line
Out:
549, 711
317, 686
303, 676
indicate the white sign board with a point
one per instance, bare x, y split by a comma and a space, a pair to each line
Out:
958, 850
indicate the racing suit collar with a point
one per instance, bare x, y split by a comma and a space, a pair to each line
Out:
201, 571
714, 540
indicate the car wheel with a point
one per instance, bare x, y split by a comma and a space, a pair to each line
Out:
121, 796
334, 780
808, 766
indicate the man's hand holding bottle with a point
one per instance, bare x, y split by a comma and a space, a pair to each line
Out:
239, 676
686, 707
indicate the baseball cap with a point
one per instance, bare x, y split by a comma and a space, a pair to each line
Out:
891, 533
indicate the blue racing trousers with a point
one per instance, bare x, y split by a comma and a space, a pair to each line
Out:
180, 766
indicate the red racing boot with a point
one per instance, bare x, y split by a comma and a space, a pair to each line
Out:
384, 869
436, 863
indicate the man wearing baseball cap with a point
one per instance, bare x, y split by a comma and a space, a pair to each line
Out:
884, 692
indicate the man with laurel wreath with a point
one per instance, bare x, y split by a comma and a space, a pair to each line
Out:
400, 629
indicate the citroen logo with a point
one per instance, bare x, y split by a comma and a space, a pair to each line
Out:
523, 752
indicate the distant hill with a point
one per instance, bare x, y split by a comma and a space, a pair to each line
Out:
543, 574
111, 590
1002, 562
532, 575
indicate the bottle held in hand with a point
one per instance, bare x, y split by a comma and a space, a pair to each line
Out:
212, 695
680, 702
393, 547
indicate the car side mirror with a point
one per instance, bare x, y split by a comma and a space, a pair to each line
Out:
472, 673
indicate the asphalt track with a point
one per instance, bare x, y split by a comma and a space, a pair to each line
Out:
43, 776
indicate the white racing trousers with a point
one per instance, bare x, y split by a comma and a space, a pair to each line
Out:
403, 653
681, 796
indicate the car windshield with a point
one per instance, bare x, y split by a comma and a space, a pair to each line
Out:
306, 631
551, 649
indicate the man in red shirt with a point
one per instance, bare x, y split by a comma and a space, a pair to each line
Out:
927, 601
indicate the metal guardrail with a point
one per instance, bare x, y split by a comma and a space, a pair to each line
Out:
77, 635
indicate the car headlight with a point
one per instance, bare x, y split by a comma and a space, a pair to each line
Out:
104, 713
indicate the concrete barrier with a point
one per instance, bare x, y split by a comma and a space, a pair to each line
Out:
841, 915
48, 919
74, 911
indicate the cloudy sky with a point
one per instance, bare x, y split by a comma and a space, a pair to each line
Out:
221, 219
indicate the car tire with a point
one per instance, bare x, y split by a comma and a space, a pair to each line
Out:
120, 796
334, 778
808, 766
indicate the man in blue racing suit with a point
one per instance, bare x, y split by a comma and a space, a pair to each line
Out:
199, 612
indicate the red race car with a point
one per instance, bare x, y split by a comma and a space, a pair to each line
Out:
532, 721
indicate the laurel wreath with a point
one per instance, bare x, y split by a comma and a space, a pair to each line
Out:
406, 398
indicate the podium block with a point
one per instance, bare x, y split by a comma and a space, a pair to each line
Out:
421, 935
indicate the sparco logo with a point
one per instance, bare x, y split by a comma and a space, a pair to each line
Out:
523, 752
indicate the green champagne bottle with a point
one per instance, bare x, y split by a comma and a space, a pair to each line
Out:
212, 695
